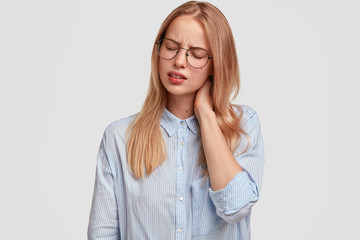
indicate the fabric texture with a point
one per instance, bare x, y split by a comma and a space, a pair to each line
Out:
174, 202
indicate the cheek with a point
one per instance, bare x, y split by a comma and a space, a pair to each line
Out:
198, 80
164, 63
202, 75
162, 66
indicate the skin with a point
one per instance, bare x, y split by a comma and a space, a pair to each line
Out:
189, 33
193, 96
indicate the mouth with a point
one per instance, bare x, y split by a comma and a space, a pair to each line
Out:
176, 77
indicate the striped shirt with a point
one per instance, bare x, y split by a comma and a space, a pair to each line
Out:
174, 202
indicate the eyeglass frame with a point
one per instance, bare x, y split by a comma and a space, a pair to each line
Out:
179, 47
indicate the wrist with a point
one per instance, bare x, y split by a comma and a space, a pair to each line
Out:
205, 115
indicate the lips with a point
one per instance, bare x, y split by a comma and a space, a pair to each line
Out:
176, 77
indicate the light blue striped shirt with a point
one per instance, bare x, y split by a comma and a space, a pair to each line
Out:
173, 202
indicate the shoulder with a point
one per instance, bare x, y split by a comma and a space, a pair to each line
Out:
247, 112
118, 127
123, 122
249, 120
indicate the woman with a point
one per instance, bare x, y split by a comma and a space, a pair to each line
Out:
189, 165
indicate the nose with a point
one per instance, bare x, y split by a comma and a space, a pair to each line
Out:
180, 59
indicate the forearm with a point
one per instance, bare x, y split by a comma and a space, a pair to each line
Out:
222, 166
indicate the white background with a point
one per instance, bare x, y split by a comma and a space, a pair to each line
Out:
69, 68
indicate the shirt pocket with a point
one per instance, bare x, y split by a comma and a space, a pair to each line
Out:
205, 219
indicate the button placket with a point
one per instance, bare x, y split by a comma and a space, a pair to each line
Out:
181, 186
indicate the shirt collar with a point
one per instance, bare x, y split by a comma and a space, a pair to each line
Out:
171, 123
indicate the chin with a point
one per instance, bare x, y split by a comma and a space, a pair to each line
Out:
176, 90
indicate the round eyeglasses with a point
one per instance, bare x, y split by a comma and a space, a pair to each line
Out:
168, 49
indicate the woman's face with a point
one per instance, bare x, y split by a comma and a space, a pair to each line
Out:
178, 77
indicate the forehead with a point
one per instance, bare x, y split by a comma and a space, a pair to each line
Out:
188, 31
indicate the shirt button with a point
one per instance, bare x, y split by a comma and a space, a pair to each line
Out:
182, 143
183, 123
181, 198
179, 229
180, 169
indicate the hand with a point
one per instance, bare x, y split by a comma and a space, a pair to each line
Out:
203, 101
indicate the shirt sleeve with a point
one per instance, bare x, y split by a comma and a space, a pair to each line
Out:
234, 202
103, 220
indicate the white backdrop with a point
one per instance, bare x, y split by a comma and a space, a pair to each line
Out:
69, 68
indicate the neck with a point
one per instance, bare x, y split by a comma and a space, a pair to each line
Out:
181, 106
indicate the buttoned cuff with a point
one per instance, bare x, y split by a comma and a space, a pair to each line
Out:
239, 192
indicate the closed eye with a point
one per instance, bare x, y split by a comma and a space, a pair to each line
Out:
198, 53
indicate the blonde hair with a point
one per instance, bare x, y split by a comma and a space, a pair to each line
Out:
145, 143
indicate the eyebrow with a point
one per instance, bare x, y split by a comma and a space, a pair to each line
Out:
173, 40
180, 44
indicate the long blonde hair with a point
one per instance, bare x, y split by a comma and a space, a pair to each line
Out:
145, 143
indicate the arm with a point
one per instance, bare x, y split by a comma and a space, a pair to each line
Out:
235, 181
221, 164
103, 220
